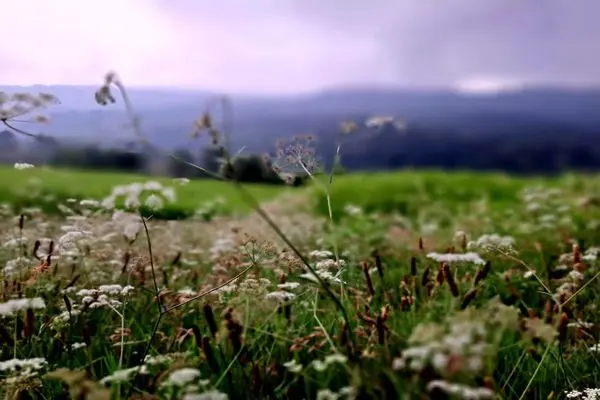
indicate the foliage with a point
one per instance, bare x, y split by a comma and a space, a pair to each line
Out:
423, 320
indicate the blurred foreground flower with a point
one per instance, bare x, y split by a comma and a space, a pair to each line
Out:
23, 165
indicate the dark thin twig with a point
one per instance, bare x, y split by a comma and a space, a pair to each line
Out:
22, 132
151, 255
244, 271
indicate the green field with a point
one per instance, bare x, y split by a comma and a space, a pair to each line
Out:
63, 184
405, 192
434, 285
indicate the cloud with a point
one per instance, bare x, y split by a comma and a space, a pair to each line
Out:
300, 45
71, 41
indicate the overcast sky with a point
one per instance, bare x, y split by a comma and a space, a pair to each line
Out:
268, 46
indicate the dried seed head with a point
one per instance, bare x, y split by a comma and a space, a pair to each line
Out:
365, 268
579, 267
210, 319
413, 266
177, 260
562, 327
439, 278
209, 354
548, 311
468, 297
425, 277
576, 253
378, 263
36, 248
482, 272
450, 279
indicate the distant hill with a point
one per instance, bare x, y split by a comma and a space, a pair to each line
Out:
168, 114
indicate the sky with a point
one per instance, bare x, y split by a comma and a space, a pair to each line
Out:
297, 46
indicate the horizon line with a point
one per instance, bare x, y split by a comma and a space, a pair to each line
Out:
449, 88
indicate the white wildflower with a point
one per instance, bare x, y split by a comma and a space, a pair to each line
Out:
529, 273
326, 394
462, 391
321, 254
280, 296
210, 395
124, 375
182, 181
154, 202
151, 186
319, 365
15, 364
288, 285
183, 376
23, 165
449, 258
491, 242
293, 366
89, 203
15, 305
352, 210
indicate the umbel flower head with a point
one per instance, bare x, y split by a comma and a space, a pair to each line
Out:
152, 194
21, 106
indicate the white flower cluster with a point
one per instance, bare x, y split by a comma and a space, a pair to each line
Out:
280, 296
104, 295
464, 340
591, 254
493, 242
318, 365
152, 194
253, 287
128, 223
353, 210
26, 368
324, 262
13, 306
189, 380
161, 359
346, 392
23, 165
63, 319
182, 377
547, 208
461, 391
12, 266
209, 395
70, 243
589, 394
124, 375
322, 365
181, 181
451, 258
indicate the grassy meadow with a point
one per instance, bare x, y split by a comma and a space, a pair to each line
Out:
47, 187
426, 285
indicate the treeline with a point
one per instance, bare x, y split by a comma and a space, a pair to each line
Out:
251, 168
541, 151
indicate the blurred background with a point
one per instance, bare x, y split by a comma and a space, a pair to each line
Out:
508, 85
